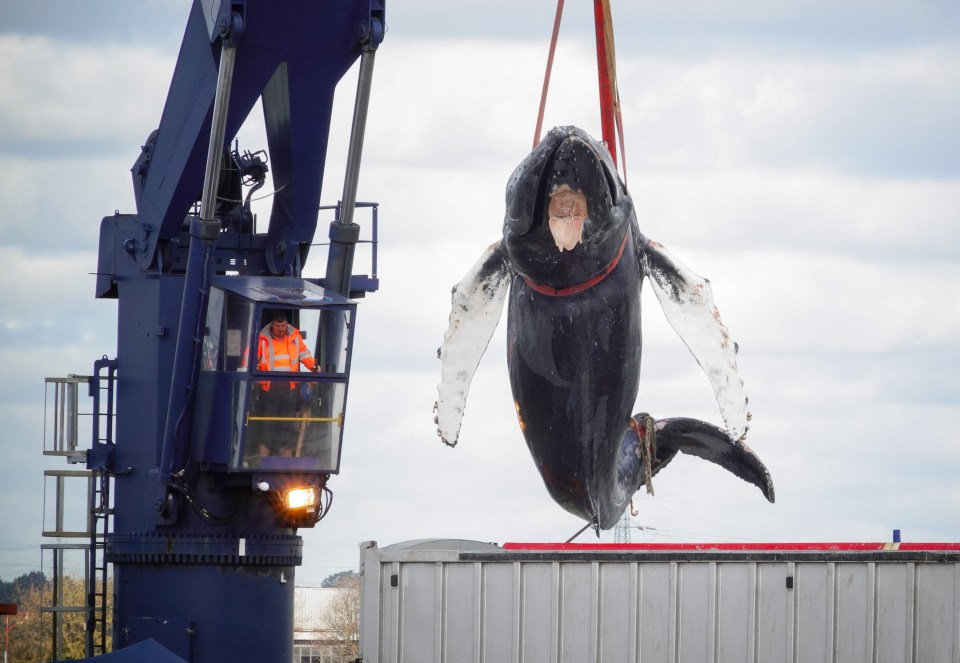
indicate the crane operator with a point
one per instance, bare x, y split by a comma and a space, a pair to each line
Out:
280, 348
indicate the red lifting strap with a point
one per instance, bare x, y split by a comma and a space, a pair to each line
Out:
605, 73
544, 289
611, 121
546, 75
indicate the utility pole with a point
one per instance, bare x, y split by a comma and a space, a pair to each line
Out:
621, 532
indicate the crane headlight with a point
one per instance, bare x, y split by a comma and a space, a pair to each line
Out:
297, 501
307, 498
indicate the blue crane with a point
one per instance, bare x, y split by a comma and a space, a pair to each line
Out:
217, 458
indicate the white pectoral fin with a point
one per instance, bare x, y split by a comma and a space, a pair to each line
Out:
477, 303
688, 304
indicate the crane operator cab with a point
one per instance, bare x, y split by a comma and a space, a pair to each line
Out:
275, 363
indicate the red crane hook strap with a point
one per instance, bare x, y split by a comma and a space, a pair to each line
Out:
546, 75
550, 290
611, 119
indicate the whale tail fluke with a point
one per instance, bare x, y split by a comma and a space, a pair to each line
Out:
703, 440
692, 437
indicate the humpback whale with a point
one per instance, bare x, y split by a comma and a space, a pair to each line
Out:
573, 261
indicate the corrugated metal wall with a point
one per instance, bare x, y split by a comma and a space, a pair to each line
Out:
311, 606
580, 611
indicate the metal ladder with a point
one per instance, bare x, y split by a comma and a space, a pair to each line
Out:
97, 585
61, 436
102, 391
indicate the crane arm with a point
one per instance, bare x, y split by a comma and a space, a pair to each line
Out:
289, 54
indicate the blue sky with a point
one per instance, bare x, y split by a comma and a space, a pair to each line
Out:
805, 159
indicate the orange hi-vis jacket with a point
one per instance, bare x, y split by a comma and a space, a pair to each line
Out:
283, 354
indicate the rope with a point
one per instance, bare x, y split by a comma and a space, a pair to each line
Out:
581, 531
605, 74
580, 287
623, 151
546, 75
266, 195
610, 114
647, 438
615, 89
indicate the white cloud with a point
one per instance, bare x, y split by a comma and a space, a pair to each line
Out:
58, 203
799, 185
93, 94
803, 301
875, 113
807, 210
692, 27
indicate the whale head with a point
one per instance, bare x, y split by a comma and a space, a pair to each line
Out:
566, 210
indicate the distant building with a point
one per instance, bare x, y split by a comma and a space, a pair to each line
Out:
317, 631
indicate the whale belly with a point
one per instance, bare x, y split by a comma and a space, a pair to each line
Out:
574, 366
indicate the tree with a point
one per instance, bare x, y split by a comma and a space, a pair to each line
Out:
7, 593
340, 579
26, 638
8, 590
31, 640
343, 617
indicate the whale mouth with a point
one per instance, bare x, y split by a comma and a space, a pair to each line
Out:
567, 212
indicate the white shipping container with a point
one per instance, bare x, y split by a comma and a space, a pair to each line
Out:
455, 601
